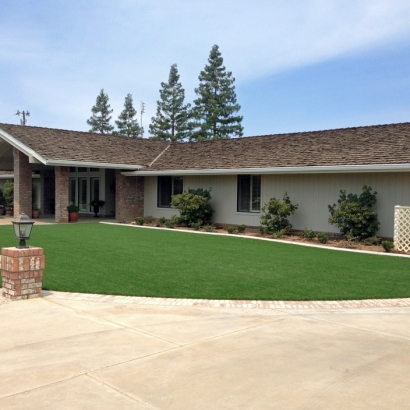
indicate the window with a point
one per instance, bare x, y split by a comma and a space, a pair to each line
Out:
249, 193
168, 186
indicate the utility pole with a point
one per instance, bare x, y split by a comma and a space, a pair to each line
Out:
24, 113
142, 110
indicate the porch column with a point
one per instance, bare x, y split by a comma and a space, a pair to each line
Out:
23, 184
129, 197
61, 195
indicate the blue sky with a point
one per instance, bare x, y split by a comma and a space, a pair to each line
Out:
299, 64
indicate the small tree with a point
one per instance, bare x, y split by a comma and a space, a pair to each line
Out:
352, 214
215, 110
127, 122
194, 206
171, 120
9, 193
100, 120
275, 215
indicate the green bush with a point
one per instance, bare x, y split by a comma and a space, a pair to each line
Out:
9, 193
373, 240
309, 234
232, 230
241, 228
139, 220
387, 246
195, 225
194, 206
149, 219
72, 208
262, 230
209, 228
275, 214
279, 234
170, 224
162, 221
323, 238
353, 216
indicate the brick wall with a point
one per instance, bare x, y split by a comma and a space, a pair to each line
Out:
48, 191
22, 184
129, 197
61, 193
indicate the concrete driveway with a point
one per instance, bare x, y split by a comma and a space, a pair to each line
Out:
60, 352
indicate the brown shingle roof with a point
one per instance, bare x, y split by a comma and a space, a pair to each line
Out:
380, 144
86, 147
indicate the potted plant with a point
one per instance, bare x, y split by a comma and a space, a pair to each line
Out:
36, 212
72, 213
96, 203
9, 197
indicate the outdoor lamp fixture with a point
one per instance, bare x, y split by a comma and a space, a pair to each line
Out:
22, 228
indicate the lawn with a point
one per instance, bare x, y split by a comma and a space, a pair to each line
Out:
123, 260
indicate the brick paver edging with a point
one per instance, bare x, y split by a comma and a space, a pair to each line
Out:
247, 304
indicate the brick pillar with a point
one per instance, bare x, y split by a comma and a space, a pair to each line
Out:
23, 184
22, 272
61, 193
48, 188
129, 197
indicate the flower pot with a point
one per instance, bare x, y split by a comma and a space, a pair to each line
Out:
73, 216
36, 214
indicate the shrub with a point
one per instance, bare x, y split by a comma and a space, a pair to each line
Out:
139, 220
72, 208
241, 228
309, 234
195, 225
170, 224
262, 230
149, 219
162, 221
9, 192
353, 216
323, 238
209, 228
275, 213
373, 240
194, 206
279, 234
387, 246
232, 229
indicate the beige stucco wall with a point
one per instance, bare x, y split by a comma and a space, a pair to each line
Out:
312, 192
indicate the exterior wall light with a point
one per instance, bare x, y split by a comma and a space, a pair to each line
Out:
22, 228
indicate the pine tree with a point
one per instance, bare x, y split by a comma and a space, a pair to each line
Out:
172, 117
215, 108
127, 123
100, 120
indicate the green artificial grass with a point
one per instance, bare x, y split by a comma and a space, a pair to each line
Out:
124, 260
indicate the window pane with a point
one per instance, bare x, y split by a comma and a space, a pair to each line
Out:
82, 169
94, 169
164, 192
256, 192
71, 198
244, 193
82, 194
73, 169
178, 186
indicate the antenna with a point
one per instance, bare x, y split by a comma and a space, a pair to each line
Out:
24, 113
142, 110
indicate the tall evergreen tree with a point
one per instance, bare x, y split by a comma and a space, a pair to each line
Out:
100, 120
172, 118
127, 123
214, 112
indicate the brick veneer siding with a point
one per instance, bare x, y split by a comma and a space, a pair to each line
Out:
23, 184
61, 194
48, 188
129, 197
22, 272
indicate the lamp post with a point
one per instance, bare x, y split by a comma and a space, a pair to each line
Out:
22, 229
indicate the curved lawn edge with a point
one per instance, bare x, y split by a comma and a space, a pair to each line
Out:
310, 245
242, 304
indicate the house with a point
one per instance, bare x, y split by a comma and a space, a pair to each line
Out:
137, 177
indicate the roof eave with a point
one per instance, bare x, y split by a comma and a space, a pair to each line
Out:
340, 169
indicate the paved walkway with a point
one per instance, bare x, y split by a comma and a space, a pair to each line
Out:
73, 351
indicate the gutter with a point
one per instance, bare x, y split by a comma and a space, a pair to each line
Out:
339, 169
36, 158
